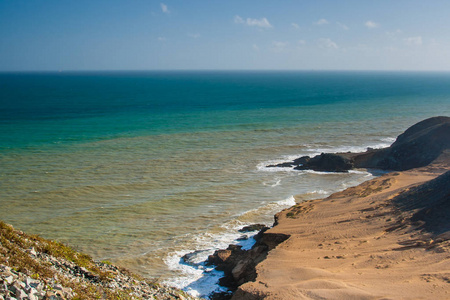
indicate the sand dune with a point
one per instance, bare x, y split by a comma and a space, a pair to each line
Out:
364, 243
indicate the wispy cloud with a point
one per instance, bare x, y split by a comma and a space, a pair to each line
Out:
238, 20
342, 26
327, 43
263, 22
413, 41
295, 25
322, 22
371, 24
255, 47
164, 8
162, 39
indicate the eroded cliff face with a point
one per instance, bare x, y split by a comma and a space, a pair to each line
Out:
238, 264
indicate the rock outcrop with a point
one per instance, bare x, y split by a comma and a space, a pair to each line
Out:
238, 264
328, 162
418, 146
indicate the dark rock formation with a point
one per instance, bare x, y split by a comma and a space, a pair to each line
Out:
418, 146
253, 227
238, 264
295, 163
194, 258
327, 162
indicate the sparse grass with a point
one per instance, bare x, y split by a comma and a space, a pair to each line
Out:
298, 209
376, 187
14, 252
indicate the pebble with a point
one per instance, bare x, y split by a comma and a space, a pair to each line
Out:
18, 286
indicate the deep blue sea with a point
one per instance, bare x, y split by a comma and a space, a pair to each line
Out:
140, 168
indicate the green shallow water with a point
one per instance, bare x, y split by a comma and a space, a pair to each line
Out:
138, 168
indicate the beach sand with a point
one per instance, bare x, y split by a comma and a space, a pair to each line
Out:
357, 244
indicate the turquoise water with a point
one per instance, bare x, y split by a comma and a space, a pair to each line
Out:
140, 168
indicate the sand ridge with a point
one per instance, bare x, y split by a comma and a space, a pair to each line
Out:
357, 244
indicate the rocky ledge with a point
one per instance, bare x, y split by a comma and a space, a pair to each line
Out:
239, 265
418, 146
33, 268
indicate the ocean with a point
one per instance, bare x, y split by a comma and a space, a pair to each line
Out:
141, 168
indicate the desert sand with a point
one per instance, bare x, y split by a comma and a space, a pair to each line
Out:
366, 242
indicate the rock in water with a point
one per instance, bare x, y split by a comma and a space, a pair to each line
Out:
418, 146
327, 162
253, 227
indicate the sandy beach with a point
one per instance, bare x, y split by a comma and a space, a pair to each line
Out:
361, 243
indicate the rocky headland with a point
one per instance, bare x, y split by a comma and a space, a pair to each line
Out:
418, 146
388, 238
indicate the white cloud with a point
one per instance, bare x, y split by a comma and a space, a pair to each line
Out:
371, 24
327, 43
342, 26
255, 47
263, 22
238, 20
322, 22
164, 8
295, 25
413, 41
162, 39
194, 35
301, 42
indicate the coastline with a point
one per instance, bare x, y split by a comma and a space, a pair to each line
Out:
366, 242
350, 243
357, 243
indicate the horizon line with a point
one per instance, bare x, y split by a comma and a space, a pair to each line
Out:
222, 70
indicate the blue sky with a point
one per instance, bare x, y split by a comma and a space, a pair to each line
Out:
227, 34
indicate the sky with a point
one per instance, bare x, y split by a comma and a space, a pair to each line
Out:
63, 35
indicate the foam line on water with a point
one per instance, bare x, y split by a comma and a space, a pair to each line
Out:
311, 151
200, 280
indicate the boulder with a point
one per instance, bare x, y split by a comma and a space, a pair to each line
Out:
327, 162
253, 227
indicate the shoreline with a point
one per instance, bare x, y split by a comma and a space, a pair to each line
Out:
356, 243
249, 267
351, 243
